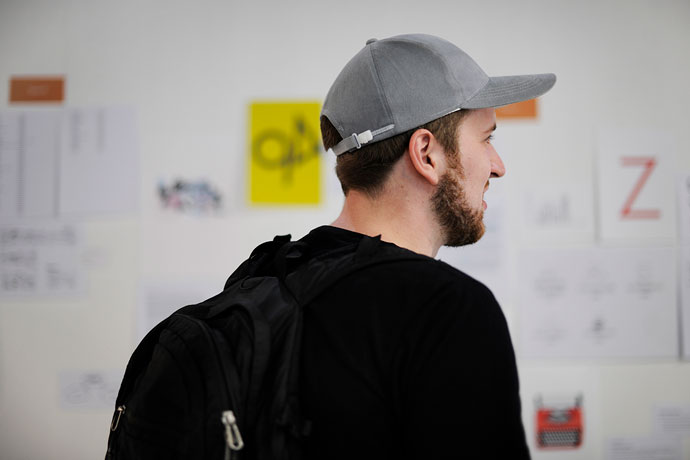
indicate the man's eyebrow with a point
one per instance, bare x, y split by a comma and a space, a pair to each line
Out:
493, 128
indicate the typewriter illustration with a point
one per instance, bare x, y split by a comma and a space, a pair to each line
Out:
559, 423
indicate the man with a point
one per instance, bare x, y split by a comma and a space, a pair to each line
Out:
412, 359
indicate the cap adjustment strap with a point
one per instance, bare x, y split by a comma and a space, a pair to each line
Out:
356, 141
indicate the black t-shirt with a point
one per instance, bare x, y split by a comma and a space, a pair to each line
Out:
408, 360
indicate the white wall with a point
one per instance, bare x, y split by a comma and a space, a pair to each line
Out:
190, 69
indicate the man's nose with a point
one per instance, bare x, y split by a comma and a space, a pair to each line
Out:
498, 169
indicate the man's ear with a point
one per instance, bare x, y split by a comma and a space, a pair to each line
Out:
426, 155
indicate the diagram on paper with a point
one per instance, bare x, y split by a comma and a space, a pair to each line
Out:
598, 303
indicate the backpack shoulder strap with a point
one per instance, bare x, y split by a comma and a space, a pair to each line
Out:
139, 360
260, 260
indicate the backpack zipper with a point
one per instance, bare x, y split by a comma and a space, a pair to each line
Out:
116, 417
233, 437
232, 433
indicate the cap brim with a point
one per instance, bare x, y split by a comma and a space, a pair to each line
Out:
501, 91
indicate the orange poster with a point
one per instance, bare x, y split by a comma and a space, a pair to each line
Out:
522, 110
37, 89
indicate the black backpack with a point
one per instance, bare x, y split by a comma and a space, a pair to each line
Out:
220, 379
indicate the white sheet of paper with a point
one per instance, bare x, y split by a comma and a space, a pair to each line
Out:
40, 259
563, 383
89, 389
99, 165
636, 171
160, 299
684, 275
71, 162
28, 164
598, 303
558, 212
644, 449
672, 419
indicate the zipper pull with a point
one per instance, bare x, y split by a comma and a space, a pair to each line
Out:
116, 417
232, 433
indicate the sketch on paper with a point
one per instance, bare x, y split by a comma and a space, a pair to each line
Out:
559, 422
596, 303
190, 197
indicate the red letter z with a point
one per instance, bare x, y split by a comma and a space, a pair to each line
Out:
627, 212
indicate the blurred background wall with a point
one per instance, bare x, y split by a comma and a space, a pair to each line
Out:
182, 75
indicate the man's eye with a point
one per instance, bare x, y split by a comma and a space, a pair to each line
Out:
490, 138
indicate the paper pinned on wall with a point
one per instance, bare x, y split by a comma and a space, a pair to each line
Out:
672, 419
559, 421
598, 303
546, 392
89, 389
71, 162
652, 448
635, 185
99, 161
190, 197
284, 153
557, 212
40, 260
29, 152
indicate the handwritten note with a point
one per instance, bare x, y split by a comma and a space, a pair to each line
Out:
644, 449
672, 420
40, 260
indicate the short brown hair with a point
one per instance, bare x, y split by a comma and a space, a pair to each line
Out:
368, 168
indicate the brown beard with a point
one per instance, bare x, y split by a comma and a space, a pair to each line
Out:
460, 224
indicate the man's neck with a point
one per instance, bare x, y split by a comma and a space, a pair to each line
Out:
396, 217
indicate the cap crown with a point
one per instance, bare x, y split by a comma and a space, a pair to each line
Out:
400, 83
405, 81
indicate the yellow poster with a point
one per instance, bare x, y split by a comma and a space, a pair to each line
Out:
284, 153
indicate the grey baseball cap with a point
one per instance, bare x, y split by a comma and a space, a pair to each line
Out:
396, 84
